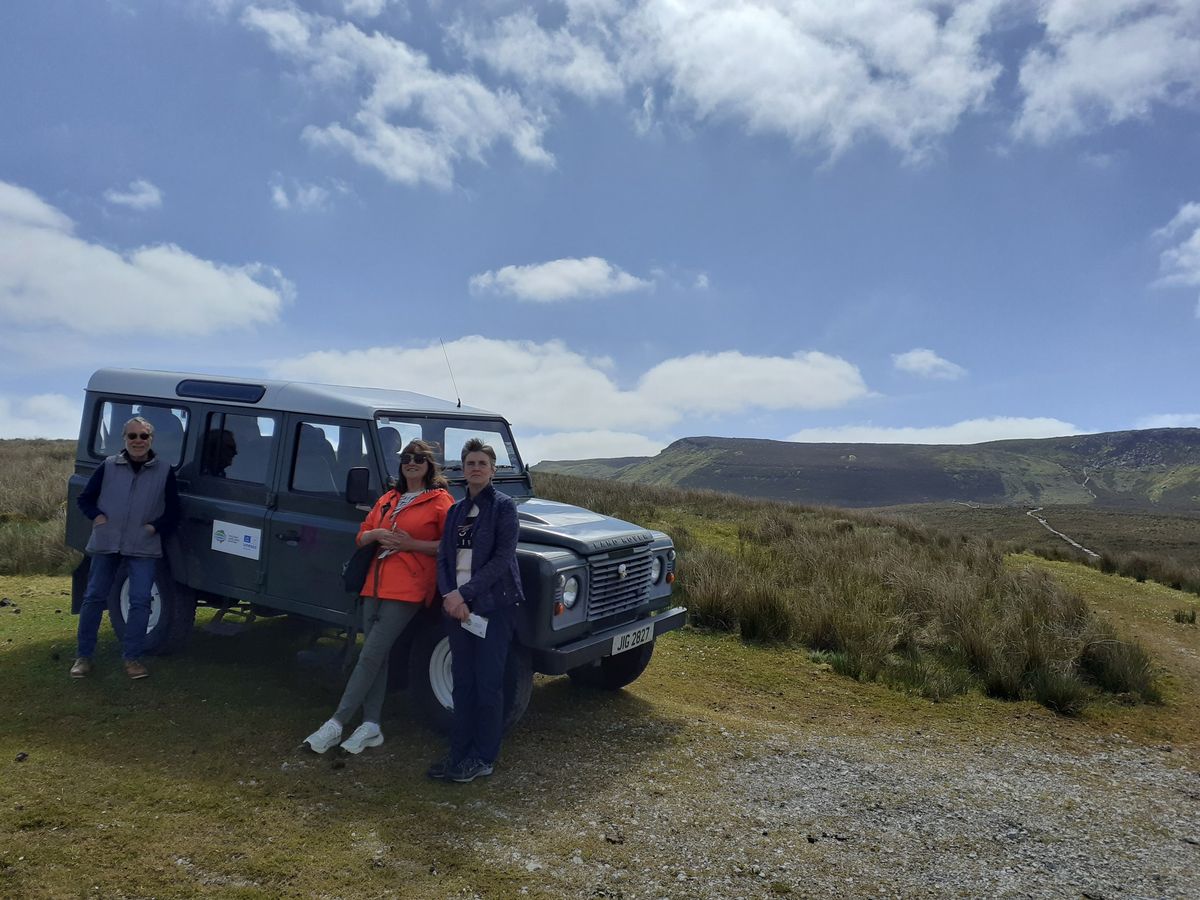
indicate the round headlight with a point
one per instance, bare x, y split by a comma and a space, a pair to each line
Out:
671, 555
570, 592
656, 568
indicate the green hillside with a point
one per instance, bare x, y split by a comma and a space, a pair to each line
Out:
1150, 469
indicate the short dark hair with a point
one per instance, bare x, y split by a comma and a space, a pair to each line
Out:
476, 445
433, 475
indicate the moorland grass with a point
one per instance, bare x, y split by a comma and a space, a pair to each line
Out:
886, 598
881, 598
33, 495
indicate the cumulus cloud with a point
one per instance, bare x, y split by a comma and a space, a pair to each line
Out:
549, 387
969, 431
1108, 61
927, 364
587, 445
366, 9
822, 74
50, 276
730, 381
517, 46
39, 416
304, 197
415, 123
140, 195
561, 279
1180, 263
1170, 420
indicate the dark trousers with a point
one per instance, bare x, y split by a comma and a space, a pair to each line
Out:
478, 667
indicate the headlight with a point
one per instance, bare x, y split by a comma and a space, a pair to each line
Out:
671, 555
656, 568
570, 591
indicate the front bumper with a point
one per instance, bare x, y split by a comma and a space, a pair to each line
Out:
557, 660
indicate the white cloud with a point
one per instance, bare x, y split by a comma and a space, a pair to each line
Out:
823, 74
970, 431
1180, 264
39, 416
1170, 420
701, 282
298, 195
927, 364
731, 381
1108, 61
415, 123
366, 9
587, 445
49, 276
561, 279
549, 387
140, 195
515, 45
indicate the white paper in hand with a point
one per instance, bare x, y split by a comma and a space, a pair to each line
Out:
477, 625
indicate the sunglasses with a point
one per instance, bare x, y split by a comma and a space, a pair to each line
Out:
413, 458
138, 436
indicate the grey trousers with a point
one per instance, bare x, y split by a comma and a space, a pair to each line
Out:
383, 622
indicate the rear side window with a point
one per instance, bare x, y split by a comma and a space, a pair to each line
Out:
238, 447
170, 428
325, 452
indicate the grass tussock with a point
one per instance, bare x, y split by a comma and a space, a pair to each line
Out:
882, 599
33, 492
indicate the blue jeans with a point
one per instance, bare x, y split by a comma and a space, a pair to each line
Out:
478, 665
101, 576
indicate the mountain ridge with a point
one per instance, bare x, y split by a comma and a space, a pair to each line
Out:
1148, 468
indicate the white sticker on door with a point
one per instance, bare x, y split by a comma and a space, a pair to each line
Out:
236, 540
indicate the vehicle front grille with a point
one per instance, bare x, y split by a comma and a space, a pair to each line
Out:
613, 593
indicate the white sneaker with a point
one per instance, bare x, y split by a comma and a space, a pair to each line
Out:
365, 735
324, 737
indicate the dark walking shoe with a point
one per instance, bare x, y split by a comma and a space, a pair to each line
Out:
439, 770
82, 668
469, 770
135, 670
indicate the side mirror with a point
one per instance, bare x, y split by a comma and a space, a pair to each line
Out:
358, 485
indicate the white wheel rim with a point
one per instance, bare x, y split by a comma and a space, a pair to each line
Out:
441, 674
155, 605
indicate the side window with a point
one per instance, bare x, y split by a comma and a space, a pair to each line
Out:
238, 447
170, 428
325, 453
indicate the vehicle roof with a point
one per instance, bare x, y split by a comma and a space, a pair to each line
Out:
287, 396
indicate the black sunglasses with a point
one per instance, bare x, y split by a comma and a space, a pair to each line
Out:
413, 458
138, 435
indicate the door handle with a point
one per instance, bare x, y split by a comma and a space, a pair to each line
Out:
291, 538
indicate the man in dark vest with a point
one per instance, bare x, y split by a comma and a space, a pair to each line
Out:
133, 504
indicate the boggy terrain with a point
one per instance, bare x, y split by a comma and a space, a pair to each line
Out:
729, 770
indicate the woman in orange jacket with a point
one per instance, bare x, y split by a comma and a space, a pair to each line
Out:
402, 579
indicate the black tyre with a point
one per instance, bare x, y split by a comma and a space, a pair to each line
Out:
611, 673
172, 611
431, 679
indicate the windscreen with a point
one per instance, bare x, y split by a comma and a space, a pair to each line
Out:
447, 436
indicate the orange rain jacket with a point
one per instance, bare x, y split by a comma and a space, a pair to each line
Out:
408, 576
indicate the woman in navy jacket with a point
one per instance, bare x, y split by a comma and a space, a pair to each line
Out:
481, 588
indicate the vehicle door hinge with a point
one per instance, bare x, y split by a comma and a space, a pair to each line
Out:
272, 499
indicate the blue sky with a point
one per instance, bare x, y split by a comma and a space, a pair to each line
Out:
885, 220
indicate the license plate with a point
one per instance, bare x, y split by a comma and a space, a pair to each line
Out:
631, 639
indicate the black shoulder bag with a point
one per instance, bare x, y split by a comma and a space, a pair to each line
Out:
355, 569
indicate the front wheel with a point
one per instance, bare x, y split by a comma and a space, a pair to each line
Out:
614, 672
172, 611
431, 680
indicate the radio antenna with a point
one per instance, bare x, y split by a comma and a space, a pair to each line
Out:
451, 370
